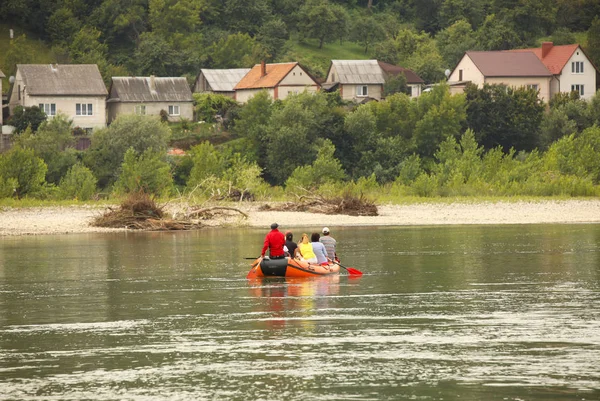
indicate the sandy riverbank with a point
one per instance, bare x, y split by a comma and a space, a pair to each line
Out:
77, 219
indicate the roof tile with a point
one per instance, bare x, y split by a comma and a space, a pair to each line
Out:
274, 74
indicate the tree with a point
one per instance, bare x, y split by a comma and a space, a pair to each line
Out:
367, 31
53, 142
245, 16
148, 172
452, 11
208, 163
174, 16
108, 147
86, 48
24, 170
454, 41
325, 169
209, 105
273, 36
238, 50
62, 25
79, 183
251, 125
593, 41
497, 34
317, 19
395, 84
24, 117
504, 116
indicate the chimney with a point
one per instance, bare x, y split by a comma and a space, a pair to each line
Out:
152, 83
546, 47
263, 69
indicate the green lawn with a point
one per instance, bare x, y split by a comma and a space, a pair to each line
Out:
318, 60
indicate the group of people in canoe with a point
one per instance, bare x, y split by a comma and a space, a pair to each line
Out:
318, 249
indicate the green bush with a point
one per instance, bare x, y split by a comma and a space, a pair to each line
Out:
208, 105
23, 170
79, 183
148, 172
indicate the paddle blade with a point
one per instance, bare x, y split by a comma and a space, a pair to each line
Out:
354, 272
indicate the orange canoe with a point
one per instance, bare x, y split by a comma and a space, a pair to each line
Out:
289, 267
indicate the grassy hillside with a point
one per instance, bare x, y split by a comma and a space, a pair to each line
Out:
308, 53
40, 50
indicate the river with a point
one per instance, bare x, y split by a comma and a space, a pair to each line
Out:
441, 313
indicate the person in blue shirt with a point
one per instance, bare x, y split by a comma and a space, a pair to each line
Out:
319, 249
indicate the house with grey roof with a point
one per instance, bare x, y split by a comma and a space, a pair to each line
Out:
362, 80
219, 81
515, 69
356, 80
75, 90
150, 95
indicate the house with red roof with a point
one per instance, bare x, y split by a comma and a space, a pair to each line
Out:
571, 68
280, 80
515, 69
549, 69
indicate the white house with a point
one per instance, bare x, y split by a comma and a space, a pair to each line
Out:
279, 80
75, 90
571, 68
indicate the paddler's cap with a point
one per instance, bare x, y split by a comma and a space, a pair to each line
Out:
274, 226
325, 230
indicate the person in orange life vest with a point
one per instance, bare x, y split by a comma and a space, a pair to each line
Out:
274, 241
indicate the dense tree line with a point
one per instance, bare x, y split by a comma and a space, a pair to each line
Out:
177, 37
492, 140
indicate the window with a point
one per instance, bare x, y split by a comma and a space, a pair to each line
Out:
532, 86
460, 75
173, 110
577, 67
578, 89
362, 90
19, 90
140, 110
48, 108
83, 109
333, 76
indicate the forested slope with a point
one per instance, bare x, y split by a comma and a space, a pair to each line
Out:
177, 37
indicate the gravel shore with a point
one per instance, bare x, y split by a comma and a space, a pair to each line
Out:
77, 219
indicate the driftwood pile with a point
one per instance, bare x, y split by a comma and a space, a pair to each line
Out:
140, 212
347, 204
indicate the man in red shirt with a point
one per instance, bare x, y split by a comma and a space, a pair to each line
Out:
274, 241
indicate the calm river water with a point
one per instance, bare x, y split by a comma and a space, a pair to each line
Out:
442, 313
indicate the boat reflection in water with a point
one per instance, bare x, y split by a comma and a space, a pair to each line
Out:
293, 300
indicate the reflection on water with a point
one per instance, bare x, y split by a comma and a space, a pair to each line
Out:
470, 313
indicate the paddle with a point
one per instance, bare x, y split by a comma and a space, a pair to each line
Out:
351, 271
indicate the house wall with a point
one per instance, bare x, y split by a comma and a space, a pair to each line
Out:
115, 109
587, 79
415, 90
470, 72
285, 91
348, 91
243, 95
1, 107
201, 85
517, 82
